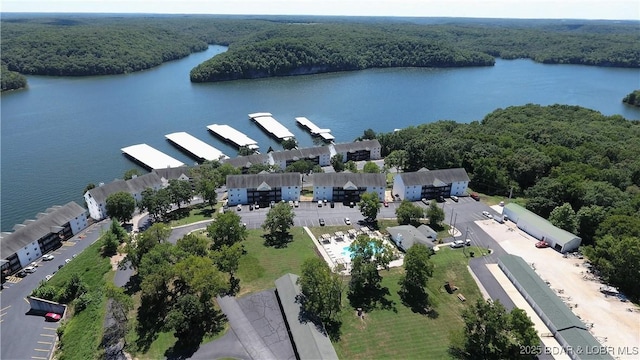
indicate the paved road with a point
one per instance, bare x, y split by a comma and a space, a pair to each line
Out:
28, 336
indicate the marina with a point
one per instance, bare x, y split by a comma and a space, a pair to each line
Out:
195, 147
271, 125
233, 136
150, 157
325, 134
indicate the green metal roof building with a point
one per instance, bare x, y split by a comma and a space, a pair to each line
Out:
540, 228
572, 334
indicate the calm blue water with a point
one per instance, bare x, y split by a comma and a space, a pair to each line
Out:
63, 133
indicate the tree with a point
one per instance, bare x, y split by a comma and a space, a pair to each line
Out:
369, 134
120, 206
409, 213
180, 192
194, 244
88, 187
156, 202
227, 229
397, 159
369, 206
321, 291
367, 256
279, 220
245, 151
417, 270
565, 218
109, 244
207, 180
617, 261
351, 166
144, 242
490, 332
337, 161
289, 144
435, 214
371, 168
227, 258
589, 219
300, 166
129, 174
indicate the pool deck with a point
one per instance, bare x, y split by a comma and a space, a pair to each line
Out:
333, 252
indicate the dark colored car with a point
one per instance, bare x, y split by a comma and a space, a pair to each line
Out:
475, 196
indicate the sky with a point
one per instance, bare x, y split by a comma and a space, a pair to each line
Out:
520, 9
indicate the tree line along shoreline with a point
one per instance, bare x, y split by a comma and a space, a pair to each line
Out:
84, 46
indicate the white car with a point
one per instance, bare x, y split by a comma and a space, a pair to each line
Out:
457, 244
30, 269
347, 221
296, 203
66, 261
48, 257
48, 277
486, 213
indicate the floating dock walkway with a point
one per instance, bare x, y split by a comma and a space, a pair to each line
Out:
271, 125
195, 147
231, 135
150, 158
325, 134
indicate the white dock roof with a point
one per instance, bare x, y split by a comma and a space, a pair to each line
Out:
268, 123
313, 128
326, 136
195, 146
151, 157
233, 135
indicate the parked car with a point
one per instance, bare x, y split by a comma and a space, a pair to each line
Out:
256, 206
239, 207
486, 213
319, 203
48, 277
352, 204
347, 221
296, 203
291, 203
386, 204
30, 269
457, 244
66, 261
272, 203
321, 221
51, 316
60, 266
440, 199
454, 198
475, 196
542, 244
467, 242
48, 257
425, 201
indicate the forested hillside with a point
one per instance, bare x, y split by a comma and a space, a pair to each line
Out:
83, 45
552, 155
633, 98
11, 80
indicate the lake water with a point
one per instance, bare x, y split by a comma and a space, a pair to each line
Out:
63, 133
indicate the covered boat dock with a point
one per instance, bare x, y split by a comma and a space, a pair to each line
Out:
150, 157
325, 134
195, 147
271, 125
233, 136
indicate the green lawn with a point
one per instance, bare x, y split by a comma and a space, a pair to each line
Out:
402, 334
262, 265
195, 213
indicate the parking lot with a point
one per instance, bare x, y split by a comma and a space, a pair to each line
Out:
615, 324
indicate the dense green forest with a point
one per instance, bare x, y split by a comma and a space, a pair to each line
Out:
565, 160
633, 98
11, 80
82, 45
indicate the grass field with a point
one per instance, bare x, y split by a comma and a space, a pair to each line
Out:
195, 213
262, 265
401, 334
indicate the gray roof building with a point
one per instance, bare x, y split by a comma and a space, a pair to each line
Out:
343, 178
45, 224
310, 343
132, 186
357, 146
436, 178
174, 173
247, 161
100, 193
566, 327
300, 154
405, 236
255, 181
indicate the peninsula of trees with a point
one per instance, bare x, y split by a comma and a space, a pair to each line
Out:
275, 46
633, 98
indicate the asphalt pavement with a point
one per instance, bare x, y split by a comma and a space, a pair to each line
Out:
30, 336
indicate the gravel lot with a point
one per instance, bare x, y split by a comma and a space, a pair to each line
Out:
616, 324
